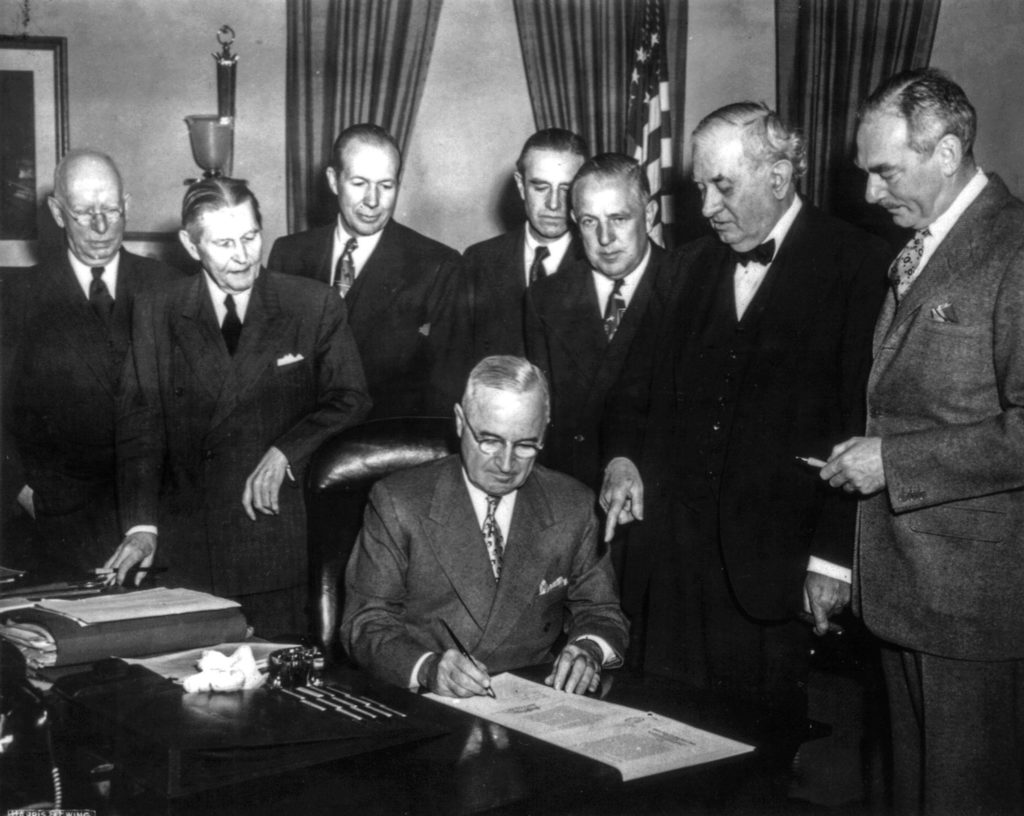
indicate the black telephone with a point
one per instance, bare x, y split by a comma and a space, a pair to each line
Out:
27, 769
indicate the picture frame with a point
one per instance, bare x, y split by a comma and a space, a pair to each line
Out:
33, 139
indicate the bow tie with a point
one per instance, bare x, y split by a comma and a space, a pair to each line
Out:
762, 254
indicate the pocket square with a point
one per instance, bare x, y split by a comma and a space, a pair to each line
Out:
424, 330
944, 313
545, 587
288, 359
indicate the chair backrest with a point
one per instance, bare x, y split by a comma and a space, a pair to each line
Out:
338, 482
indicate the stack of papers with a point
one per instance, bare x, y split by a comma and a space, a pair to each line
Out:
147, 603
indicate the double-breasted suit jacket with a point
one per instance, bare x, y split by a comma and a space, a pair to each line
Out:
566, 338
195, 421
939, 563
421, 559
725, 406
394, 309
62, 366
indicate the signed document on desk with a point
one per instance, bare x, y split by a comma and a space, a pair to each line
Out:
635, 742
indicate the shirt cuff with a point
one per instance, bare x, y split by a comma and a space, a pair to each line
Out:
815, 564
607, 653
414, 683
142, 528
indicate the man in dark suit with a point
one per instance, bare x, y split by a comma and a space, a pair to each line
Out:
237, 376
582, 322
66, 327
503, 551
940, 575
496, 272
761, 359
396, 283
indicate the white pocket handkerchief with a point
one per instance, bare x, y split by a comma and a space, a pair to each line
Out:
545, 587
288, 359
424, 330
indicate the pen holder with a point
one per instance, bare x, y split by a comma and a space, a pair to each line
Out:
296, 667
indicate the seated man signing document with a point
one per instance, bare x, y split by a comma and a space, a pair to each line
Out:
499, 549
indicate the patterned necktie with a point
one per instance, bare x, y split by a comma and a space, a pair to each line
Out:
345, 271
231, 328
904, 269
613, 310
99, 295
537, 270
492, 537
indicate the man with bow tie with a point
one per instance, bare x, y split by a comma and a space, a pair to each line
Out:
500, 549
939, 569
236, 377
761, 358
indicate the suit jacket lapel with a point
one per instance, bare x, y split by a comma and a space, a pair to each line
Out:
454, 535
264, 324
378, 282
196, 333
525, 563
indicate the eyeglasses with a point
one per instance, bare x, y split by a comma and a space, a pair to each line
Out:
85, 217
491, 445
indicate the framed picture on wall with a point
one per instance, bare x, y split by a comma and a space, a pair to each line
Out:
33, 138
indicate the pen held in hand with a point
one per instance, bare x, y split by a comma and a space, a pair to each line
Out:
811, 461
464, 653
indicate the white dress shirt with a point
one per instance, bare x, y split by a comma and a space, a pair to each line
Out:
365, 245
604, 285
556, 250
748, 279
83, 273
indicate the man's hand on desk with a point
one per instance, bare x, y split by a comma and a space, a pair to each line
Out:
622, 495
453, 675
136, 548
578, 668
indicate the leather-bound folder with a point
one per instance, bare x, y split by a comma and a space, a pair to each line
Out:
136, 637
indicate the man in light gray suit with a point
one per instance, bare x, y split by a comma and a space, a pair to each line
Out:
939, 570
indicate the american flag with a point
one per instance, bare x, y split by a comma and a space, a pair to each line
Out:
648, 117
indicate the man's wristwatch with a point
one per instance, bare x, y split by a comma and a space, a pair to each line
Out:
592, 648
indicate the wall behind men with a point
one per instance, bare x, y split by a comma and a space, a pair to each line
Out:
978, 42
136, 68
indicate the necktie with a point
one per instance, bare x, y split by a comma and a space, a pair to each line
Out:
904, 269
762, 254
99, 295
231, 328
492, 537
537, 270
345, 271
613, 310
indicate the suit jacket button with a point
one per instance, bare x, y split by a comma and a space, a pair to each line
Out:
547, 627
578, 438
208, 454
716, 427
179, 391
875, 412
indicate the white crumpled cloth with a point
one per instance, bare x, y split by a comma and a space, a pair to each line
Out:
219, 672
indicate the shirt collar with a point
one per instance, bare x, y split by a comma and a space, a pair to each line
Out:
604, 285
941, 226
83, 273
556, 250
781, 228
217, 296
503, 513
365, 245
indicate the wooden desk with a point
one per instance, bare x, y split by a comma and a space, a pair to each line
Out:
475, 766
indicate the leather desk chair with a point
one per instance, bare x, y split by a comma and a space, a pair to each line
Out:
338, 483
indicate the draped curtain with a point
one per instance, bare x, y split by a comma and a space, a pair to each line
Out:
349, 61
578, 62
831, 54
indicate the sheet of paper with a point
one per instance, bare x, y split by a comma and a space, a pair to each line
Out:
635, 742
146, 603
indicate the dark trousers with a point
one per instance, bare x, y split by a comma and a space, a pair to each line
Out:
278, 612
693, 627
957, 734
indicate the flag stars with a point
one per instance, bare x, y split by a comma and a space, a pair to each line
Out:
642, 54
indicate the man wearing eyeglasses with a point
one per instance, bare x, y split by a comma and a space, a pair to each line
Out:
66, 328
501, 550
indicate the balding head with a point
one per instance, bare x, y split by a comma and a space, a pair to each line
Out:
88, 203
